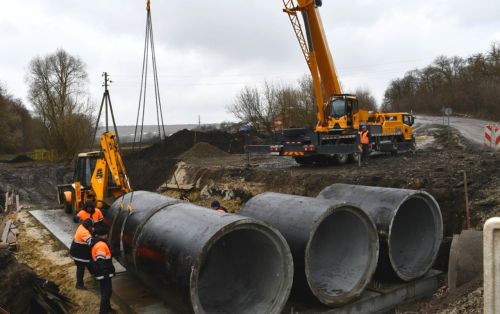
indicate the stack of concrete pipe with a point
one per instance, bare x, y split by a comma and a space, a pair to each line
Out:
204, 261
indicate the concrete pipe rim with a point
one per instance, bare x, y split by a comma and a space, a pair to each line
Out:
284, 288
372, 242
435, 211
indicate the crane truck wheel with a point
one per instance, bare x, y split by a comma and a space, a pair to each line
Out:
353, 157
341, 158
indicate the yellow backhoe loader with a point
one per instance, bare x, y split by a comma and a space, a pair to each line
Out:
99, 176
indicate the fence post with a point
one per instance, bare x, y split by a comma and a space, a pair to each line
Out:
491, 264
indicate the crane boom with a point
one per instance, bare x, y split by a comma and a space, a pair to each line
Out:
316, 52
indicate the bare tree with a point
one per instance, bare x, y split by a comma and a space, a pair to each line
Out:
365, 99
57, 90
251, 106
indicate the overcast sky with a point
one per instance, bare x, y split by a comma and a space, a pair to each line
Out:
208, 50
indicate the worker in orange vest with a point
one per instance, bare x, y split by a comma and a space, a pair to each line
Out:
217, 206
103, 267
80, 250
89, 211
364, 140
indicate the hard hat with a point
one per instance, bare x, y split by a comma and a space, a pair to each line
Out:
88, 223
215, 203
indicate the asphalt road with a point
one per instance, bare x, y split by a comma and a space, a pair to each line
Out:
471, 129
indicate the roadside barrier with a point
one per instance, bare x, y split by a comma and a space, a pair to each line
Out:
43, 154
492, 137
491, 246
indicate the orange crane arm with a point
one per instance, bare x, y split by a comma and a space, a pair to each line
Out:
316, 51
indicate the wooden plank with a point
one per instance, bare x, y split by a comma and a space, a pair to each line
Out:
6, 207
6, 231
18, 207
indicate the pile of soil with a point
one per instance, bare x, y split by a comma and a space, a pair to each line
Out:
202, 150
20, 158
152, 166
16, 284
35, 183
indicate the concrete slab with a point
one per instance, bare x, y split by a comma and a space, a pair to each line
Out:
128, 292
466, 258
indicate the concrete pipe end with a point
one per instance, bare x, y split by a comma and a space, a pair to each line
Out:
415, 235
341, 254
246, 267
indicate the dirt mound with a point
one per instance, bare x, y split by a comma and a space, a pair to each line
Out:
16, 284
20, 158
202, 150
152, 166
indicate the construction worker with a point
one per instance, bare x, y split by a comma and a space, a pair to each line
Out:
89, 211
103, 267
364, 139
216, 206
80, 250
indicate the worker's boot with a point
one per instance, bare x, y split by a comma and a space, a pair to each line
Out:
80, 286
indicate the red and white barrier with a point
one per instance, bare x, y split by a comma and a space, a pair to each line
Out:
492, 137
496, 138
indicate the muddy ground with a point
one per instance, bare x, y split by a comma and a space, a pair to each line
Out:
436, 168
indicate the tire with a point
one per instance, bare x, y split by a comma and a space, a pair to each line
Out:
68, 208
341, 158
353, 158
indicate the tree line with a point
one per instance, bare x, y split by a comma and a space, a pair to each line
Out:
62, 116
277, 105
18, 129
469, 86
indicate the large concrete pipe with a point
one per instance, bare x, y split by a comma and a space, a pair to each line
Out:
200, 260
335, 248
409, 223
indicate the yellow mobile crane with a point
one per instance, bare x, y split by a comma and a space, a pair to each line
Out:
338, 116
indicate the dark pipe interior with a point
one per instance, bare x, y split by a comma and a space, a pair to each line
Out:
413, 237
242, 273
339, 254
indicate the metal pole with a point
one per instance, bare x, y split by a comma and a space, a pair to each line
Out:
467, 210
105, 98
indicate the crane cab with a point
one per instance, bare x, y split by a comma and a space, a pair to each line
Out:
343, 113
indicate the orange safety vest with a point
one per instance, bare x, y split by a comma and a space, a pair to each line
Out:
96, 216
82, 235
101, 250
364, 137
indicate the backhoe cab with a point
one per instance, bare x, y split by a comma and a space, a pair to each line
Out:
99, 177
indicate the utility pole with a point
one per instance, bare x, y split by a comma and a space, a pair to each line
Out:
106, 104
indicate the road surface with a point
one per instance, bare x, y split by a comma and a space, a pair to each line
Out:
471, 129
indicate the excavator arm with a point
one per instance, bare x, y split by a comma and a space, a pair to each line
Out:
110, 163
